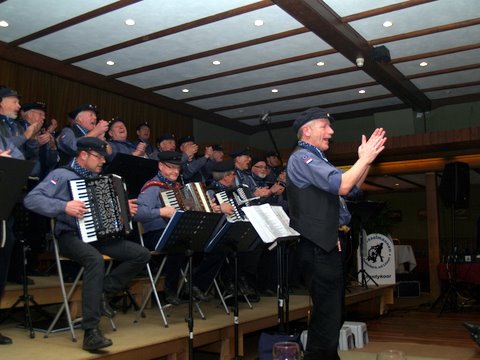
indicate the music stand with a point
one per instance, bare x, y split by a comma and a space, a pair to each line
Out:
134, 170
13, 178
232, 238
364, 211
188, 231
283, 297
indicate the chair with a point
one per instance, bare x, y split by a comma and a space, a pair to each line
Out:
153, 281
66, 296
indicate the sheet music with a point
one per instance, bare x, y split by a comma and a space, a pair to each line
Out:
270, 222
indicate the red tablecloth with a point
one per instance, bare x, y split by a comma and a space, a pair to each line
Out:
466, 272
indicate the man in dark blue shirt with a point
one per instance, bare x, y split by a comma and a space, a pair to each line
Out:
317, 209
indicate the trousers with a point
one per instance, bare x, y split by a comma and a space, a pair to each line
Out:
131, 258
322, 273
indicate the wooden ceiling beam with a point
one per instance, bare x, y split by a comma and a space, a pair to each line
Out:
321, 20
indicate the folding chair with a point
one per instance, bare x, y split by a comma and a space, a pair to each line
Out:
153, 281
66, 296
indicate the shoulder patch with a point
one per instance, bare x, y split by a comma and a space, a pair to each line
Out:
307, 159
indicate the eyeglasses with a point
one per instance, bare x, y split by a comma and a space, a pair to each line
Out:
98, 156
170, 166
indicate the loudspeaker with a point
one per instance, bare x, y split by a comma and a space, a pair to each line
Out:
455, 185
381, 54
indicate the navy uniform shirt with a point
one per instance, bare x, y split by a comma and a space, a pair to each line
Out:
306, 168
67, 140
149, 204
50, 197
7, 144
120, 147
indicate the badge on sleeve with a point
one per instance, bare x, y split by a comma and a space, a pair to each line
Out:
54, 181
307, 159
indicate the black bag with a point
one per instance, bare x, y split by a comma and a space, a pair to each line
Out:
267, 340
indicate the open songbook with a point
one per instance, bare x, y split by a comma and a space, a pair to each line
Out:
270, 222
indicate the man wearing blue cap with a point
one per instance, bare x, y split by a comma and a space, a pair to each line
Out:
52, 198
85, 123
316, 191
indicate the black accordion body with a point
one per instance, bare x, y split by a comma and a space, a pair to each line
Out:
191, 196
238, 197
108, 214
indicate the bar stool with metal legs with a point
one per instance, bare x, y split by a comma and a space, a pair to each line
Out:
66, 296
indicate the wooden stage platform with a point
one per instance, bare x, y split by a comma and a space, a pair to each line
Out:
149, 339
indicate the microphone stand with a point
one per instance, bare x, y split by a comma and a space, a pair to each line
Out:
265, 119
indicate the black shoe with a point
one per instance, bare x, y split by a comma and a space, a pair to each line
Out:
94, 340
199, 295
474, 329
172, 298
105, 307
4, 340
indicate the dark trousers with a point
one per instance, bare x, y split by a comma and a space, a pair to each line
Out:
322, 273
131, 257
5, 254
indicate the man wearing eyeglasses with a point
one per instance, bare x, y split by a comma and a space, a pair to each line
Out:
85, 123
52, 198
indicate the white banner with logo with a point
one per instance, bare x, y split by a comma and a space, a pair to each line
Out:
378, 259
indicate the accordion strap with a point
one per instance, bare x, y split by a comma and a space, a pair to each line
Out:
161, 184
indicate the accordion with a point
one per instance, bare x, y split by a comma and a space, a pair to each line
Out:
192, 196
239, 197
108, 214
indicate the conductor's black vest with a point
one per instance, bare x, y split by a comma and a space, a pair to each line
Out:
314, 213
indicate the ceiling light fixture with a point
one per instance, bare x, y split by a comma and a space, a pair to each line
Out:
320, 63
185, 90
216, 62
258, 22
130, 22
3, 23
423, 63
361, 91
110, 62
274, 90
387, 24
360, 61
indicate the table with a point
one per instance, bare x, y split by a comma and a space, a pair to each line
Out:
404, 259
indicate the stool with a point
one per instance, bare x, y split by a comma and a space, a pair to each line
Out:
359, 331
345, 340
303, 338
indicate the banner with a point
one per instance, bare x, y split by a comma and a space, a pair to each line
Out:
378, 259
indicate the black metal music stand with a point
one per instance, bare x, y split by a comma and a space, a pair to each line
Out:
283, 291
364, 211
232, 238
134, 170
188, 232
13, 178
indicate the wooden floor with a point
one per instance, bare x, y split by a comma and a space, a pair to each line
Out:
409, 325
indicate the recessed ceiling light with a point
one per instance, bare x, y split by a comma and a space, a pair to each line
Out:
3, 23
320, 63
258, 22
397, 184
423, 63
216, 62
274, 90
110, 62
185, 90
361, 91
130, 22
387, 24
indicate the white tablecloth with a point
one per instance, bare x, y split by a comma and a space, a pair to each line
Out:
404, 255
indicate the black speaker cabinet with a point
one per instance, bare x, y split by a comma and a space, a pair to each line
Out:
381, 54
455, 185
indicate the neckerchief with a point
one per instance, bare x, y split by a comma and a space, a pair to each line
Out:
11, 124
313, 149
81, 171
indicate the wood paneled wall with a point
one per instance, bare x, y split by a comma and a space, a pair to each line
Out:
62, 95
